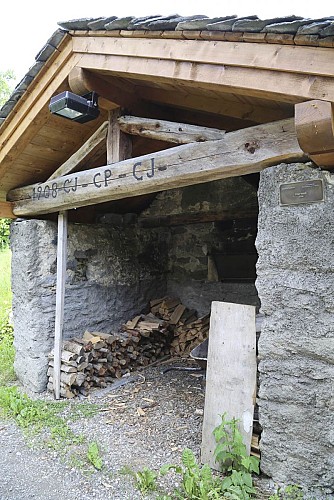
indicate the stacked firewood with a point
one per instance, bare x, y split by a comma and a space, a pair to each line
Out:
188, 330
98, 358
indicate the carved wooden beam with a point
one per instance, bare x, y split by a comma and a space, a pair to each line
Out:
315, 131
161, 130
83, 153
238, 153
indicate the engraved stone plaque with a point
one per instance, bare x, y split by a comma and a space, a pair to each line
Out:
295, 193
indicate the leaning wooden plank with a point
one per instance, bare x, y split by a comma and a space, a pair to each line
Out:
161, 130
60, 298
238, 153
231, 373
86, 149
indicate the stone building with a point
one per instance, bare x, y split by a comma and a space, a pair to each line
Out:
220, 136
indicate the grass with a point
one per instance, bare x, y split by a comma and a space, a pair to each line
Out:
6, 330
5, 288
49, 421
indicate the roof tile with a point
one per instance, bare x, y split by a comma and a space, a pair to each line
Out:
77, 24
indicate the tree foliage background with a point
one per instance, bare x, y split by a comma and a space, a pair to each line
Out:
7, 79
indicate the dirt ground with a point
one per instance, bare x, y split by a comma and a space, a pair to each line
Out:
144, 423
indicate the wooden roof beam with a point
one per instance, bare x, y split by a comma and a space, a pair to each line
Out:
266, 84
111, 96
238, 153
315, 131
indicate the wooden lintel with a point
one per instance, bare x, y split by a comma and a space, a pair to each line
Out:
315, 131
161, 130
238, 153
6, 210
83, 153
196, 218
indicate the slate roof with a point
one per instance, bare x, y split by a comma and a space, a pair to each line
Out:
286, 30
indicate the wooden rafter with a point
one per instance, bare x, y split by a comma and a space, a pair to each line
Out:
238, 153
83, 153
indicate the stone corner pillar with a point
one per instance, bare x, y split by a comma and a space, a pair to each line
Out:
295, 283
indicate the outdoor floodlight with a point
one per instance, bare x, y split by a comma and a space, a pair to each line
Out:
74, 107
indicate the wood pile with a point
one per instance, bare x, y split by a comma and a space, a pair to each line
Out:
98, 358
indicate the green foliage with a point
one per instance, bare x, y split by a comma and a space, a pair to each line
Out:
93, 455
290, 492
5, 292
4, 233
197, 481
230, 451
51, 419
7, 353
6, 329
7, 79
233, 459
146, 480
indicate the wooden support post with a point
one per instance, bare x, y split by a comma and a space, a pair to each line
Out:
231, 373
119, 145
60, 296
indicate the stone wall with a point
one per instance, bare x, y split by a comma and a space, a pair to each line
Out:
191, 246
296, 348
111, 275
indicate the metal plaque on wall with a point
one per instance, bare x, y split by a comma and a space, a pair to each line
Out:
295, 193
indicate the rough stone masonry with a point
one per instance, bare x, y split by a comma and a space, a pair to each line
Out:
295, 284
111, 274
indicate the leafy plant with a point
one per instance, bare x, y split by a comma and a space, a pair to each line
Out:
197, 481
93, 455
232, 456
230, 451
290, 492
146, 480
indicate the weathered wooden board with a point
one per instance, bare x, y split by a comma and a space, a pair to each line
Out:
231, 373
242, 152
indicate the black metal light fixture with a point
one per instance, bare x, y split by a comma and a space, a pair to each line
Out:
74, 107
